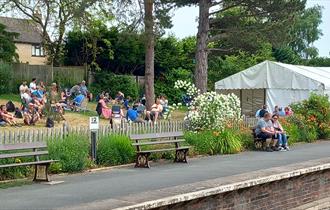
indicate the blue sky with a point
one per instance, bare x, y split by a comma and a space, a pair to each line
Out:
185, 24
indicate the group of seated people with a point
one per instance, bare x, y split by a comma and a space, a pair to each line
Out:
277, 110
122, 107
34, 98
269, 129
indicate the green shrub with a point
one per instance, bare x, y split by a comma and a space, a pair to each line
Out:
315, 112
246, 138
14, 172
71, 151
299, 129
214, 142
229, 142
63, 80
165, 83
6, 77
113, 83
293, 131
115, 150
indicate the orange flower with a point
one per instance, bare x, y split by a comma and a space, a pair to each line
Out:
215, 133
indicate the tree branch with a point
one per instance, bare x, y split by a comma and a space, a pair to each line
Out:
226, 8
217, 37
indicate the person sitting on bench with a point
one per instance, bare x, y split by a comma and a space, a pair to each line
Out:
281, 135
156, 109
266, 132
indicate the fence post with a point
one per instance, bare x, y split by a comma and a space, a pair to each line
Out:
65, 129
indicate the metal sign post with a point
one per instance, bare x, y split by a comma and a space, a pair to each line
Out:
94, 127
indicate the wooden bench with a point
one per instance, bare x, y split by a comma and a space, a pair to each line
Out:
258, 142
168, 138
9, 151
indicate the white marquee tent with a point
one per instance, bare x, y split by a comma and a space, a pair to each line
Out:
274, 83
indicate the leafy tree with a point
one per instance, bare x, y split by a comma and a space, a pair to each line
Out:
150, 52
257, 19
117, 52
286, 55
7, 45
222, 67
320, 61
305, 32
112, 83
165, 83
86, 46
54, 17
156, 16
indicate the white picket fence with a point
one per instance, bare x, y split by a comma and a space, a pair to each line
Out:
42, 134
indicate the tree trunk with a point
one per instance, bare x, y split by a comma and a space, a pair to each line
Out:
150, 53
201, 52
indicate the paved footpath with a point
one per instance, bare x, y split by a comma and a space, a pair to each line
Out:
114, 183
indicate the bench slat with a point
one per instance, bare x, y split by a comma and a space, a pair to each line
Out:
7, 147
23, 154
163, 150
27, 163
156, 135
158, 142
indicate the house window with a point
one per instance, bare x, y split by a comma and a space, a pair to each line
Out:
37, 51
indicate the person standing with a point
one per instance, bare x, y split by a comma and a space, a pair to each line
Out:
23, 88
263, 111
33, 85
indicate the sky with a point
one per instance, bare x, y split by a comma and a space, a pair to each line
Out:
185, 24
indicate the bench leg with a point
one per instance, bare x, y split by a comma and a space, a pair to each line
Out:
259, 145
181, 156
36, 178
142, 160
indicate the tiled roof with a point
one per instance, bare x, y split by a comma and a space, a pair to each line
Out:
28, 31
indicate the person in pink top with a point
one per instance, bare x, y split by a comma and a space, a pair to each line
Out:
106, 111
288, 111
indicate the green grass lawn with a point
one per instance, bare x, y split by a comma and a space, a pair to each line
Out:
76, 118
11, 97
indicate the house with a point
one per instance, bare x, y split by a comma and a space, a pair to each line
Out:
275, 83
28, 43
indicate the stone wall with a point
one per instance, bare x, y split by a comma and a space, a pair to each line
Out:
282, 194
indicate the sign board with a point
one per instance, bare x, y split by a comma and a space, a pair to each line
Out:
94, 123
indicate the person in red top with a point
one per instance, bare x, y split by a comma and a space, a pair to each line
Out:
288, 111
106, 111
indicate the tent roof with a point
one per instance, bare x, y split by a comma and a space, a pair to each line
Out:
269, 74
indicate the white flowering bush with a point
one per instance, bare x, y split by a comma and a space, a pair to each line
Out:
190, 89
212, 111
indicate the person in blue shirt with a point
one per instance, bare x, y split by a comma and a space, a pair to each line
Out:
281, 112
78, 99
126, 102
133, 116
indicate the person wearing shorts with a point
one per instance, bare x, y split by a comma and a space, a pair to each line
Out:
266, 132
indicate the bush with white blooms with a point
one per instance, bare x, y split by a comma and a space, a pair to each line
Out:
210, 110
